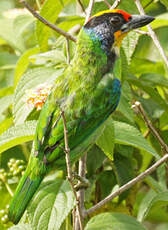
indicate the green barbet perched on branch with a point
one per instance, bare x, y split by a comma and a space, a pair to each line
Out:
86, 93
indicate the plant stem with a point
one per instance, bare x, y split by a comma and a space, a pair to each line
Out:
89, 10
69, 172
127, 186
9, 189
152, 34
38, 4
138, 105
115, 4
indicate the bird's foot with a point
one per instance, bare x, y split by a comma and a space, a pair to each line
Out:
83, 183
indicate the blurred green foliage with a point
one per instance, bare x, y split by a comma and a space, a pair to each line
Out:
32, 54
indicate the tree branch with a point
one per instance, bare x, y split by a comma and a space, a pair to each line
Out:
89, 10
69, 172
127, 186
142, 32
68, 51
152, 34
47, 23
82, 6
107, 3
115, 4
138, 105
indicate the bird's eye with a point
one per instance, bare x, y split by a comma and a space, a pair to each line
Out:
115, 20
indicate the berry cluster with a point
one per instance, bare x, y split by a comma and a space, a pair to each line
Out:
16, 169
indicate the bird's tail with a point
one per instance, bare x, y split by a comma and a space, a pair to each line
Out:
23, 194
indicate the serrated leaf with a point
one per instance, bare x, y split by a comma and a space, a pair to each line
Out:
21, 22
129, 135
129, 44
23, 63
55, 56
50, 12
17, 135
154, 201
144, 204
113, 221
106, 139
31, 80
150, 91
51, 205
7, 33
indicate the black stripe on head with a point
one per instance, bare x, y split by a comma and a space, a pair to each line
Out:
112, 19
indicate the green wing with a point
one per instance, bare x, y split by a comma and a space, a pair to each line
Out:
83, 113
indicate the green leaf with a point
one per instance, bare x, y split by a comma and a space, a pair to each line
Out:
154, 201
50, 12
51, 205
21, 227
31, 80
71, 21
7, 33
154, 80
141, 66
23, 63
5, 102
129, 135
113, 221
129, 44
17, 135
106, 140
4, 125
150, 91
125, 102
21, 22
7, 60
6, 91
94, 160
55, 56
143, 208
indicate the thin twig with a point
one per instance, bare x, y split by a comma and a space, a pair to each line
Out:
138, 105
69, 172
115, 4
152, 34
81, 192
38, 4
128, 185
142, 32
82, 6
47, 23
89, 10
9, 189
82, 172
68, 51
107, 3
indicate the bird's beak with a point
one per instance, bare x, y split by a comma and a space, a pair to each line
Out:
136, 22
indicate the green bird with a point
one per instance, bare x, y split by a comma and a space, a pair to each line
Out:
87, 94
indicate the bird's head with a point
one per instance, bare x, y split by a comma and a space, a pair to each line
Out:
111, 26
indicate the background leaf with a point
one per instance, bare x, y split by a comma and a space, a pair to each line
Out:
17, 135
51, 204
113, 221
